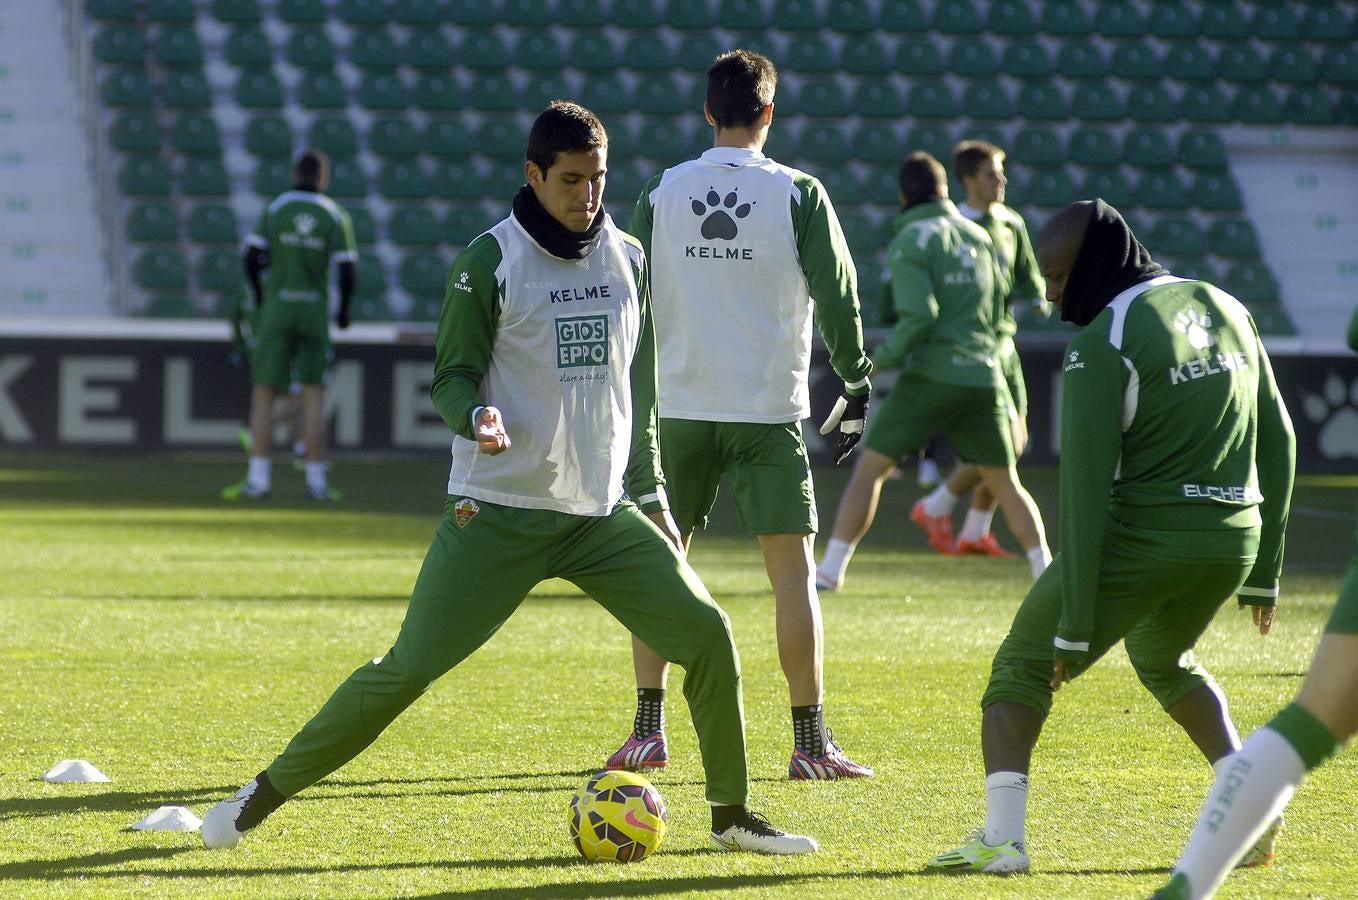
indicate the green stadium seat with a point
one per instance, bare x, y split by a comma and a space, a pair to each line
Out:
446, 139
1216, 191
437, 93
1136, 61
545, 88
824, 97
363, 13
867, 56
932, 139
1194, 270
1309, 106
637, 14
1205, 103
1093, 146
1025, 58
236, 11
877, 99
272, 177
1078, 59
370, 309
987, 99
428, 49
1176, 236
373, 48
1327, 23
493, 92
580, 14
171, 306
381, 90
302, 12
269, 137
1037, 146
501, 137
823, 143
1275, 22
111, 10
464, 223
625, 183
593, 52
1256, 105
144, 176
1187, 61
1171, 19
135, 132
413, 226
606, 95
840, 184
310, 48
335, 135
418, 13
1202, 150
1042, 101
365, 230
1339, 65
811, 53
1152, 103
1161, 190
1065, 18
956, 17
1093, 102
1224, 22
161, 269
696, 52
878, 143
1241, 62
539, 50
321, 90
371, 280
852, 16
204, 178
1273, 322
1250, 283
667, 138
798, 15
1148, 148
423, 275
457, 180
219, 271
126, 88
402, 180
918, 57
1119, 19
170, 10
248, 46
425, 308
151, 223
972, 57
212, 223
903, 17
179, 47
347, 179
259, 90
1010, 17
1234, 238
1046, 188
932, 100
482, 48
194, 135
742, 14
1111, 185
393, 138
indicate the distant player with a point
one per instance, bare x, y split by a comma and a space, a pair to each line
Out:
739, 246
1176, 476
979, 166
545, 372
1254, 784
949, 302
287, 406
298, 236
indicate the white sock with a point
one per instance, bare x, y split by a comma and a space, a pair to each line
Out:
940, 501
315, 475
836, 559
1006, 807
977, 524
1039, 558
260, 474
299, 448
1252, 787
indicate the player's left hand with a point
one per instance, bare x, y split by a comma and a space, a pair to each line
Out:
850, 413
342, 320
1061, 673
490, 434
1263, 618
665, 522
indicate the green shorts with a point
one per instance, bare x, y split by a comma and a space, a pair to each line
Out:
1012, 370
293, 345
975, 420
767, 464
1344, 617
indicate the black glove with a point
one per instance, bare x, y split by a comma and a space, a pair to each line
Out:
342, 320
850, 413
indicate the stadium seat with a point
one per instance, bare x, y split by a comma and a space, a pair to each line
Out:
1136, 61
1202, 150
1292, 64
335, 135
811, 53
868, 56
1308, 106
1273, 321
194, 135
236, 11
1256, 105
1152, 103
545, 88
877, 99
1161, 190
1205, 103
878, 143
418, 13
539, 50
606, 95
841, 185
365, 230
126, 88
204, 178
637, 14
1251, 283
402, 180
1081, 60
179, 47
853, 16
1010, 17
904, 17
1275, 22
667, 138
1170, 19
145, 176
269, 137
382, 90
1241, 62
457, 180
1188, 61
972, 57
393, 138
1036, 146
587, 14
347, 179
594, 52
1093, 146
932, 100
446, 139
371, 280
1339, 65
1327, 23
364, 13
1233, 237
1111, 185
111, 10
1224, 22
171, 306
501, 137
413, 226
423, 275
493, 92
1046, 188
821, 143
824, 97
1193, 270
696, 52
248, 46
987, 100
302, 12
932, 139
370, 309
310, 48
1148, 148
798, 15
169, 10
1216, 191
482, 48
1025, 58
212, 223
1065, 18
742, 14
220, 271
918, 57
695, 14
1042, 101
463, 223
373, 48
956, 17
152, 222
118, 45
1176, 236
1118, 19
1096, 102
437, 93
258, 90
321, 90
161, 269
135, 132
272, 177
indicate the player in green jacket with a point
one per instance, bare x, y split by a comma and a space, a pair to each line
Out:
949, 301
1177, 459
545, 373
1255, 784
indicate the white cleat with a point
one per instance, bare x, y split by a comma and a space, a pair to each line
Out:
754, 834
226, 823
826, 583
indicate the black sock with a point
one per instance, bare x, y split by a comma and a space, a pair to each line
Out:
650, 712
723, 817
808, 729
263, 801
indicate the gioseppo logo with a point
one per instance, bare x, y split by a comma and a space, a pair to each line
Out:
581, 341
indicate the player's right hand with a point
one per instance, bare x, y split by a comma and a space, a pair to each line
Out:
1263, 618
490, 432
850, 413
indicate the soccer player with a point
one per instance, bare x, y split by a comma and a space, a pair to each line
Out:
949, 300
299, 233
287, 406
979, 166
1177, 462
739, 245
545, 372
1254, 784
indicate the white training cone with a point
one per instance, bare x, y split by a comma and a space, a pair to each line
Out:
74, 770
169, 818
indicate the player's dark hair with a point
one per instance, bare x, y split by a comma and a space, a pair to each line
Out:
563, 127
969, 156
740, 86
922, 178
312, 170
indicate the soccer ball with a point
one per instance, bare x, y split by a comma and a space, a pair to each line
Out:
616, 816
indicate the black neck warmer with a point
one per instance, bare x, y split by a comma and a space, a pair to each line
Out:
1110, 260
550, 234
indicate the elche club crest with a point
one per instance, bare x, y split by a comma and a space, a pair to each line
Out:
464, 511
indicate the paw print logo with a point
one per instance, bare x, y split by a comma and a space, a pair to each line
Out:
304, 223
1335, 411
1195, 326
719, 211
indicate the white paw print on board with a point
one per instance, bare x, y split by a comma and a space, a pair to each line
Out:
1194, 325
1335, 410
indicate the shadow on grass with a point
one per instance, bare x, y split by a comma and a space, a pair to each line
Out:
111, 801
634, 887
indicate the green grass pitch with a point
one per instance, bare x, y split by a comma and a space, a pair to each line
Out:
177, 642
